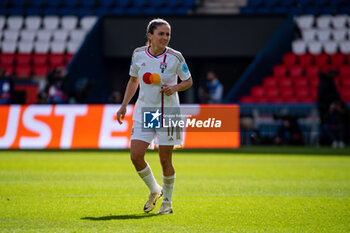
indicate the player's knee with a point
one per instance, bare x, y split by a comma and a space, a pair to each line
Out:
135, 158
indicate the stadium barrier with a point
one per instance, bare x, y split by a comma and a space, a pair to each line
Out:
96, 127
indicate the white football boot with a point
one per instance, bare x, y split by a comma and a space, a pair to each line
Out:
152, 200
165, 208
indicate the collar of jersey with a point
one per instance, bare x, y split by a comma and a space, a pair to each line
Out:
158, 56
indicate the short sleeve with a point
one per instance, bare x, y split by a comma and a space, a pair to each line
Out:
183, 71
134, 70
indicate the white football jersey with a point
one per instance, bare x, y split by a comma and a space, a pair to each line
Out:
148, 68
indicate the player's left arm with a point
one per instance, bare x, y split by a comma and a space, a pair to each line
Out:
182, 86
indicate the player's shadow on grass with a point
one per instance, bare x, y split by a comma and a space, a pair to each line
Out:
119, 217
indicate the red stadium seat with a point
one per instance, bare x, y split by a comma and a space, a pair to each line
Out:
313, 93
279, 70
23, 58
7, 68
345, 95
322, 59
56, 60
290, 100
285, 82
338, 59
301, 82
40, 70
295, 71
312, 71
286, 92
270, 81
68, 57
306, 59
246, 100
23, 71
345, 82
7, 59
40, 59
272, 92
344, 71
257, 91
314, 82
302, 92
290, 59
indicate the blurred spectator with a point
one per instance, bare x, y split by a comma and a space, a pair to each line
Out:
213, 90
336, 123
249, 134
115, 98
6, 88
288, 132
326, 94
54, 92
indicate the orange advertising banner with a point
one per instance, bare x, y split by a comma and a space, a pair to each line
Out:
95, 126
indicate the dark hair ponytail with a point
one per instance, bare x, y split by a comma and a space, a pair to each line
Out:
152, 25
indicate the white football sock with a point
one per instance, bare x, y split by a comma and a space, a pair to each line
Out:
147, 176
168, 186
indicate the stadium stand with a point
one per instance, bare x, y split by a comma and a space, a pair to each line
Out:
322, 47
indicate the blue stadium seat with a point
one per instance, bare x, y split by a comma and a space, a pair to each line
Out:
32, 11
189, 3
246, 10
320, 3
81, 12
180, 10
287, 3
279, 10
255, 3
3, 3
271, 3
156, 3
132, 11
123, 3
49, 11
139, 3
70, 3
101, 11
35, 3
15, 11
311, 11
107, 3
164, 11
335, 2
88, 3
148, 11
3, 11
294, 11
304, 3
117, 11
66, 11
344, 10
327, 11
53, 3
173, 3
263, 10
18, 3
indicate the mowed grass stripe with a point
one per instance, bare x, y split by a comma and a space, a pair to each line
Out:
99, 191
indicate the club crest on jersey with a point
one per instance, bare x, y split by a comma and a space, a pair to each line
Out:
163, 66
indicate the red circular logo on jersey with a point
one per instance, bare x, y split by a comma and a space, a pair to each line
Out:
149, 78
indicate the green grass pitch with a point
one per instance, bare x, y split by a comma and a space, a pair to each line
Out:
246, 190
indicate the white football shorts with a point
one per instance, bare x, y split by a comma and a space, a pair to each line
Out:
163, 137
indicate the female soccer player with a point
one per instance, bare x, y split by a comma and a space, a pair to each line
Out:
155, 68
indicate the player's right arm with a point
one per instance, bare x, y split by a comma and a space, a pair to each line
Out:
129, 93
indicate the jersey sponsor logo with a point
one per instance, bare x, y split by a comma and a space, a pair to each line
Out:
143, 64
149, 78
184, 68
